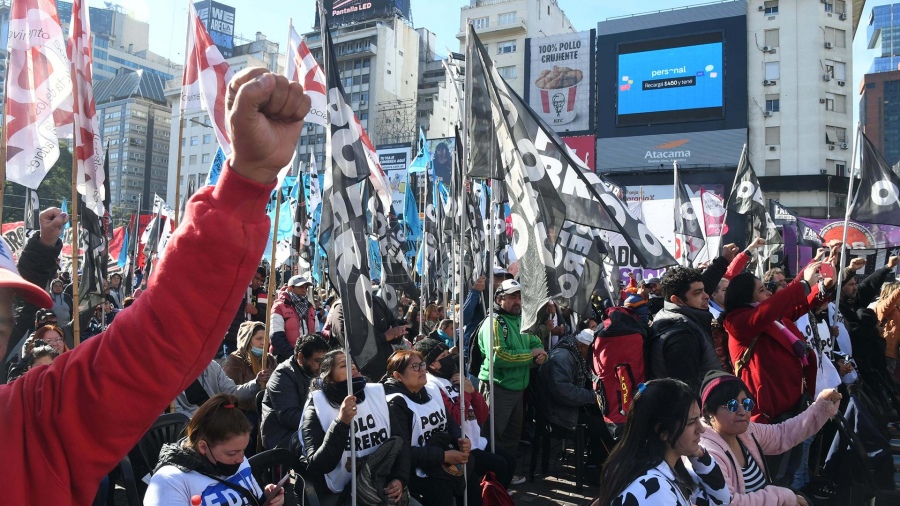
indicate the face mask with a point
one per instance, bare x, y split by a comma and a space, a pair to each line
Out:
449, 366
256, 351
224, 469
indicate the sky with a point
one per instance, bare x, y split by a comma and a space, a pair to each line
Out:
168, 18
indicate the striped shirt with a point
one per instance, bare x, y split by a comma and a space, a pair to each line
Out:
754, 479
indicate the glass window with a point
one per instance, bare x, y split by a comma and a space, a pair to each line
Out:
195, 141
193, 160
773, 136
507, 72
773, 167
773, 103
506, 18
480, 23
773, 71
207, 138
772, 38
506, 46
771, 6
204, 158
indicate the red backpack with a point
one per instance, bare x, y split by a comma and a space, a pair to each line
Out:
617, 360
493, 493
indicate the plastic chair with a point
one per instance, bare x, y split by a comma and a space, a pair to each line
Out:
271, 465
259, 399
544, 433
122, 470
168, 428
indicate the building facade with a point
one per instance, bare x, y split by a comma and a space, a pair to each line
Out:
883, 35
879, 112
135, 120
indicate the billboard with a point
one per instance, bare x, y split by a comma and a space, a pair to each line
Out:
692, 148
585, 147
442, 151
394, 160
219, 22
348, 11
559, 80
671, 80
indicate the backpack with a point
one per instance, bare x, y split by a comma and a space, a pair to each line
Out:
493, 493
617, 360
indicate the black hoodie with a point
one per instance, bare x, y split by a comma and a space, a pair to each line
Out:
422, 457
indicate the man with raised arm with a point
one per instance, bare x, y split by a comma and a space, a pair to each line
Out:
66, 425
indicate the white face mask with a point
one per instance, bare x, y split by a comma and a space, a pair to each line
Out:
256, 351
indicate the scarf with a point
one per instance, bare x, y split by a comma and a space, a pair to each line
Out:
301, 306
781, 333
581, 373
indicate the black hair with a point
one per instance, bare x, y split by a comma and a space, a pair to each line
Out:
262, 271
310, 344
40, 349
720, 395
677, 281
218, 420
661, 408
740, 291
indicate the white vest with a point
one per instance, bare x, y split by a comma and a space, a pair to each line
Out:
428, 418
826, 375
372, 423
470, 424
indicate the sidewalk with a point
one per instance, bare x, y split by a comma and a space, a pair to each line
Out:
558, 485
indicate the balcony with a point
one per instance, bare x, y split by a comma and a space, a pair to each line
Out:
512, 27
367, 50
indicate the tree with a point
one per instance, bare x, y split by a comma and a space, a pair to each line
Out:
57, 184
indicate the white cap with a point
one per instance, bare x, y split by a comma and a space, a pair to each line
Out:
507, 287
585, 337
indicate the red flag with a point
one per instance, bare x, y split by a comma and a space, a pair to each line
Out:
303, 68
713, 213
39, 91
204, 84
88, 146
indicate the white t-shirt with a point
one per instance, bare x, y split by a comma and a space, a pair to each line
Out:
172, 487
470, 424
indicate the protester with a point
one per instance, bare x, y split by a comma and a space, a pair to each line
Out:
434, 313
62, 302
209, 462
514, 352
888, 311
40, 353
287, 390
437, 447
774, 279
646, 466
293, 316
116, 291
325, 430
655, 301
444, 332
717, 299
243, 365
252, 308
740, 446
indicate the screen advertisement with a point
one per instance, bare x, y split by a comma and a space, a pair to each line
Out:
559, 76
394, 160
669, 80
346, 11
442, 151
219, 22
584, 147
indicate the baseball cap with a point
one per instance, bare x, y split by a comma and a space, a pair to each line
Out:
10, 278
500, 272
651, 281
586, 336
507, 287
298, 281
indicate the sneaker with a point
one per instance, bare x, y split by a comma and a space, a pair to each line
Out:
517, 480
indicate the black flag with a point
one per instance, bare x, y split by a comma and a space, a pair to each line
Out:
806, 235
878, 197
93, 240
32, 210
688, 233
557, 205
747, 198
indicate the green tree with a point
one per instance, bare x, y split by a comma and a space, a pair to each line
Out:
57, 184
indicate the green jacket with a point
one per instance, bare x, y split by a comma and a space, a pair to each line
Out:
512, 351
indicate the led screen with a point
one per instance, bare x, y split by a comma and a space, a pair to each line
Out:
668, 80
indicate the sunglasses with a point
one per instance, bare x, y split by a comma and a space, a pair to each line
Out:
732, 405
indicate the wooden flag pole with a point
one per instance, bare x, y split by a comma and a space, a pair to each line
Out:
271, 295
76, 323
3, 143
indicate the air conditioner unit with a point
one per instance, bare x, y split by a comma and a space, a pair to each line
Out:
761, 8
844, 145
362, 103
826, 77
821, 100
841, 83
843, 15
831, 147
767, 114
768, 82
829, 45
766, 49
771, 148
823, 171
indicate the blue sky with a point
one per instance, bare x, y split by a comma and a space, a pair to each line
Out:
168, 23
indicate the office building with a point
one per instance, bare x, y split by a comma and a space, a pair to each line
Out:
883, 35
879, 112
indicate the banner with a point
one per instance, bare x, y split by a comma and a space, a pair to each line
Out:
559, 84
713, 212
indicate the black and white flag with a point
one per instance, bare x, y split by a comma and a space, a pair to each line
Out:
878, 197
344, 212
688, 232
94, 244
32, 210
556, 203
747, 198
806, 235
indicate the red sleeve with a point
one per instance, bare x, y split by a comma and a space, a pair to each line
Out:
451, 407
93, 404
783, 303
737, 265
480, 407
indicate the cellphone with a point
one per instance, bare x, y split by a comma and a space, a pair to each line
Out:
278, 487
826, 271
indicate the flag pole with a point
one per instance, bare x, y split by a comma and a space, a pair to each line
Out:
460, 319
271, 295
76, 322
178, 166
3, 142
851, 200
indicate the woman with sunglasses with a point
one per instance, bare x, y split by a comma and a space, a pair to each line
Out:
740, 446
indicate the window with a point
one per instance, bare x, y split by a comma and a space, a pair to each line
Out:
773, 167
771, 7
840, 6
195, 141
772, 38
207, 138
836, 37
773, 103
506, 46
204, 158
480, 23
840, 168
773, 136
829, 5
835, 102
193, 160
834, 135
507, 72
506, 18
773, 71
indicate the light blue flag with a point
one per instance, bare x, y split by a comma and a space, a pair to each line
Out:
411, 220
374, 259
423, 159
284, 229
123, 253
215, 170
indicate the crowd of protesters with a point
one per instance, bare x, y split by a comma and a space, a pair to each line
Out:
741, 379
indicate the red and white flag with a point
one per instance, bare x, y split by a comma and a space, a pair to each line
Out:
88, 146
39, 91
204, 84
303, 68
713, 213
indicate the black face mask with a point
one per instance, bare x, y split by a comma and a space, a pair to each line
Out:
223, 469
336, 392
449, 366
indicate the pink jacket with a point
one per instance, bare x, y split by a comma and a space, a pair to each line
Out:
773, 440
288, 320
